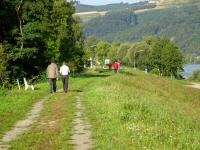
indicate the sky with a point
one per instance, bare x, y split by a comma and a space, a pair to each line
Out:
103, 2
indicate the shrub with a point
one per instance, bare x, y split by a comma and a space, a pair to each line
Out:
196, 76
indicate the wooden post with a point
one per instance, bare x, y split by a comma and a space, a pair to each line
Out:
18, 84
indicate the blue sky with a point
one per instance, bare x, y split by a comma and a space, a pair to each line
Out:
103, 2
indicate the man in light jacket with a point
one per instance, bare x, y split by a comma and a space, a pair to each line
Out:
64, 71
52, 74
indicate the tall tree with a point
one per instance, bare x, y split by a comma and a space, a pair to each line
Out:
138, 54
32, 31
27, 36
102, 51
165, 56
122, 51
112, 54
3, 66
69, 37
90, 49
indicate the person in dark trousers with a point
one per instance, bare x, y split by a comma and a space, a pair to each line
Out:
52, 75
64, 71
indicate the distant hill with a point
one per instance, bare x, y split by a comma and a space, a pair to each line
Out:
109, 7
88, 12
111, 23
173, 2
178, 22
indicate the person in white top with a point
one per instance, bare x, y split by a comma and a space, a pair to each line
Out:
64, 71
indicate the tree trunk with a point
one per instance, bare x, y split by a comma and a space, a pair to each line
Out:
20, 23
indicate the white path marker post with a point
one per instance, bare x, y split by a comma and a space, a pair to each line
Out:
18, 84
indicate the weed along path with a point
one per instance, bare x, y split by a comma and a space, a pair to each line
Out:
21, 126
81, 138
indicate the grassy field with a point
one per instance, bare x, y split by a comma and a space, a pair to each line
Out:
132, 110
196, 76
14, 104
129, 110
54, 127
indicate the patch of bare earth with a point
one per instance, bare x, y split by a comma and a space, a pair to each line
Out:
195, 85
81, 138
101, 13
21, 126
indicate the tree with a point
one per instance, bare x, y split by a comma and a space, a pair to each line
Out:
165, 56
122, 51
90, 49
102, 50
28, 44
34, 31
172, 59
138, 53
112, 54
3, 66
180, 24
71, 47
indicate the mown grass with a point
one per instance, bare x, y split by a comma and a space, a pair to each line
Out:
53, 128
132, 110
14, 104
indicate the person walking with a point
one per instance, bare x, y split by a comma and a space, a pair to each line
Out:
119, 65
52, 74
110, 66
64, 71
116, 66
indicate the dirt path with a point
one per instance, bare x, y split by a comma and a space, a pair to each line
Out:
81, 138
21, 126
194, 85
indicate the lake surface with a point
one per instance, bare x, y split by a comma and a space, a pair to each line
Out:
189, 69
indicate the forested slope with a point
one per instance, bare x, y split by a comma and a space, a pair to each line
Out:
112, 7
180, 23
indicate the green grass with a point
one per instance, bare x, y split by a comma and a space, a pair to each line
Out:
53, 129
132, 110
196, 76
14, 104
129, 110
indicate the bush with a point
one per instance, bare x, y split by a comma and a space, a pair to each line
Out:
196, 76
155, 71
41, 77
4, 80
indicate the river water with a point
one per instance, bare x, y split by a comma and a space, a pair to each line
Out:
189, 69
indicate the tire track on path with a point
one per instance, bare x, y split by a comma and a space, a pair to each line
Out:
21, 126
81, 138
